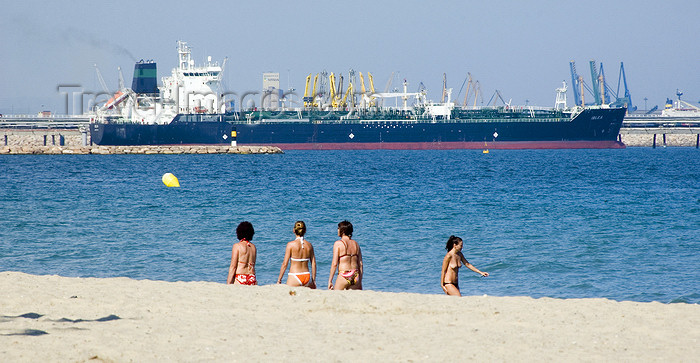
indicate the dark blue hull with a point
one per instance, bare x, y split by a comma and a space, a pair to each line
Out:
592, 128
170, 134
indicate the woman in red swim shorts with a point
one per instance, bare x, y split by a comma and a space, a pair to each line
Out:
243, 254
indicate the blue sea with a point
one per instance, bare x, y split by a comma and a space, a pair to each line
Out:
616, 224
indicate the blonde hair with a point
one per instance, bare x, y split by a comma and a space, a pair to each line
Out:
300, 228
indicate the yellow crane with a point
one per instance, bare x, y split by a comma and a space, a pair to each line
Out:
367, 100
362, 81
306, 91
333, 95
310, 100
314, 102
343, 102
371, 89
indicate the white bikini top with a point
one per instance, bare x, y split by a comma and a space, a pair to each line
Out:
301, 238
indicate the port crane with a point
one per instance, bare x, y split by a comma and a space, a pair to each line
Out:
310, 100
333, 91
626, 99
477, 93
600, 89
497, 94
372, 103
470, 85
367, 101
386, 88
444, 87
597, 82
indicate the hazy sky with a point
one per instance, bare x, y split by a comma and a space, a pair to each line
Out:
521, 48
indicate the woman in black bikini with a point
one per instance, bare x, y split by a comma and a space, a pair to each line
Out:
450, 266
347, 259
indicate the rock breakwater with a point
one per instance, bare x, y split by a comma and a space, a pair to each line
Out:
140, 149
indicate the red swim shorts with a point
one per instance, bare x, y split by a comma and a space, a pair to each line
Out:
246, 279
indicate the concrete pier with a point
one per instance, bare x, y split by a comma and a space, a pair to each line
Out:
661, 137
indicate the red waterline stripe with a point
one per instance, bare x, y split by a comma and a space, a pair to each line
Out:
501, 145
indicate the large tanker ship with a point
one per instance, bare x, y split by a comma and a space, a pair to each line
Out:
189, 108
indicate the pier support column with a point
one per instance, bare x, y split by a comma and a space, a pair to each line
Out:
697, 141
653, 144
664, 140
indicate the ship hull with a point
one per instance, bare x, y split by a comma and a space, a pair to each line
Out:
592, 128
170, 134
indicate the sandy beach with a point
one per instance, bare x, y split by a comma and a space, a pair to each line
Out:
60, 319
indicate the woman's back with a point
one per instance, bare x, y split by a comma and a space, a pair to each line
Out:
246, 258
301, 252
349, 255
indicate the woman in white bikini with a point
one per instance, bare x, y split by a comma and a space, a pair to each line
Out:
300, 252
453, 260
347, 259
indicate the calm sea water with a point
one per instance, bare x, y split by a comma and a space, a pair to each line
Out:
618, 224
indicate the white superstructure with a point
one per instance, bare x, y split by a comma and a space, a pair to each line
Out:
189, 89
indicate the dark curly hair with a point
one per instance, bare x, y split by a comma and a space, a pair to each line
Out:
245, 231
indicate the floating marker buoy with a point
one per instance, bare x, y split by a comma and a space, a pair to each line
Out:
485, 151
170, 180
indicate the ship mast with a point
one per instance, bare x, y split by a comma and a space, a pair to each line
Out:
185, 55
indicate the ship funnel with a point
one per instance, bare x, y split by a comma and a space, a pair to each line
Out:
145, 78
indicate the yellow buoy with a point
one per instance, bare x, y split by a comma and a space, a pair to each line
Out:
170, 180
485, 151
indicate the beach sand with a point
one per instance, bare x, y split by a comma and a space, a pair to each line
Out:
121, 320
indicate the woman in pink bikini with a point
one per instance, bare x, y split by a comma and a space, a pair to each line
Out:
243, 254
300, 252
453, 260
347, 259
